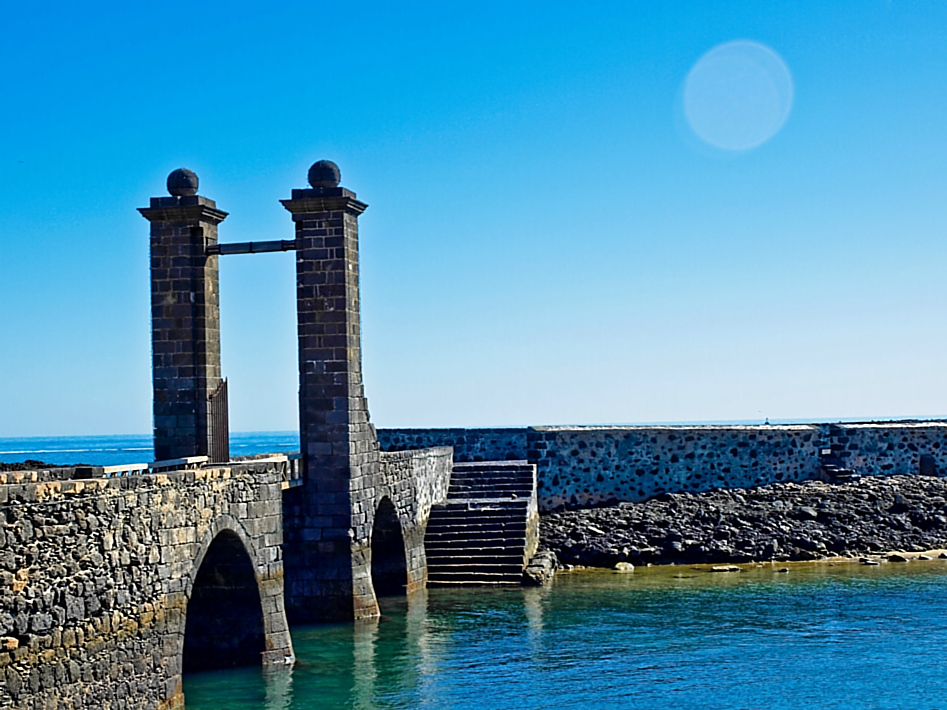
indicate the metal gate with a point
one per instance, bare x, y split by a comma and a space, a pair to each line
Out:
219, 425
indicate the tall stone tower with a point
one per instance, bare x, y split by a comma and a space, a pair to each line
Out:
327, 544
185, 320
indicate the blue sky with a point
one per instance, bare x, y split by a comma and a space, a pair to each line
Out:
546, 242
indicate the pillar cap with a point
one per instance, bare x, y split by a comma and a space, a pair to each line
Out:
324, 173
182, 183
325, 195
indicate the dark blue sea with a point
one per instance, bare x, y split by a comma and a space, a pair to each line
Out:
115, 450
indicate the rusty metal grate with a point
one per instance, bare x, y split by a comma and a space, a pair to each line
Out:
219, 425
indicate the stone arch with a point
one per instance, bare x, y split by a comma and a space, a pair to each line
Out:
224, 623
389, 554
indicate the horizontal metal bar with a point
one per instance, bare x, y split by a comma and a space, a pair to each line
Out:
252, 247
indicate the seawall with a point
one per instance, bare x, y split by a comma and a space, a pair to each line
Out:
591, 466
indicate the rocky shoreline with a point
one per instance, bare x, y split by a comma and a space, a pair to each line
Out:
778, 522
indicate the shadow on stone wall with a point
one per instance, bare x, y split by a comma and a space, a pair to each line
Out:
389, 562
224, 627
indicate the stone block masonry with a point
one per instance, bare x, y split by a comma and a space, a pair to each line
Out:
185, 317
415, 481
329, 518
591, 466
96, 576
470, 445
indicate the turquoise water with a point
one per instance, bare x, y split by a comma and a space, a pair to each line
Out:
115, 450
826, 637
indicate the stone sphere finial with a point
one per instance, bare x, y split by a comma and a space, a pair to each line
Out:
324, 173
182, 183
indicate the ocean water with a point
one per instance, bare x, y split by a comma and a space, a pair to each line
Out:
115, 450
677, 637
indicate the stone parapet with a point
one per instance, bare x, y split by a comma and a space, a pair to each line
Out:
469, 444
96, 577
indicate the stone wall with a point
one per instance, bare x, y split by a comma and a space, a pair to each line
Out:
885, 449
502, 444
589, 466
96, 576
414, 481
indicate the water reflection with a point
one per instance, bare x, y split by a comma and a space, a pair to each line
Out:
655, 639
364, 638
279, 689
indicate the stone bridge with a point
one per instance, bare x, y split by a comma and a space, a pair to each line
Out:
114, 585
116, 580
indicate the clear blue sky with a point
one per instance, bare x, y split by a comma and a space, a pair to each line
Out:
546, 242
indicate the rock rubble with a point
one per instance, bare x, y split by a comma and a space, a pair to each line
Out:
784, 521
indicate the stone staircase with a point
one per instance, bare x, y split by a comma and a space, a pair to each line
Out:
487, 529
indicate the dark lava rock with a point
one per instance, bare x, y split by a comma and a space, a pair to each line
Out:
540, 569
787, 521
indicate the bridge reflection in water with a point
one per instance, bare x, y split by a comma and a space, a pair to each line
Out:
408, 657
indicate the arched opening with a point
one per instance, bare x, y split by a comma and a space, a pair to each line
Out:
389, 566
224, 626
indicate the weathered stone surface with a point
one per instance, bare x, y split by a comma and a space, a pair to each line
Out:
541, 568
581, 467
469, 445
95, 610
330, 519
185, 317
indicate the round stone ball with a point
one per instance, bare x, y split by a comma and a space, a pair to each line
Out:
182, 183
324, 173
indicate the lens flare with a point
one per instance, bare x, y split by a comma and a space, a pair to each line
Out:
738, 95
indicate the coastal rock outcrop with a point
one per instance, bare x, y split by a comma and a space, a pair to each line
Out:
784, 521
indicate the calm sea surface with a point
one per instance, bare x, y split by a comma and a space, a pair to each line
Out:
819, 637
115, 450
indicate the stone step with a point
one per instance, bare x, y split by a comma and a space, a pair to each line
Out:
478, 576
475, 568
486, 497
479, 535
490, 560
475, 551
460, 544
480, 516
470, 479
473, 487
459, 474
500, 465
477, 581
453, 541
452, 557
489, 503
476, 516
511, 529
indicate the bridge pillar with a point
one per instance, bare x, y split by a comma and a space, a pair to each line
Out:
185, 318
327, 520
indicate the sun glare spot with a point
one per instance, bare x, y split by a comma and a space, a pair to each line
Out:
738, 95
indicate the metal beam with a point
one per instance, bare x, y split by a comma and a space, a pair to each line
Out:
252, 247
